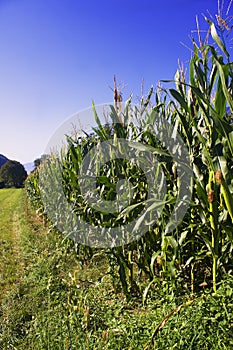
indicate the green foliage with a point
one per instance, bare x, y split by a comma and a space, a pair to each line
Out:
33, 190
200, 248
208, 107
12, 174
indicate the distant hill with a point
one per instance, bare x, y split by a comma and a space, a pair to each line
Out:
29, 167
3, 160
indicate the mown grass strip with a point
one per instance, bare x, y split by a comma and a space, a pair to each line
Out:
57, 304
10, 257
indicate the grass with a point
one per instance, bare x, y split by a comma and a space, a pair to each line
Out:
52, 302
10, 258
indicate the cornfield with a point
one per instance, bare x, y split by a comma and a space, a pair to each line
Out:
199, 108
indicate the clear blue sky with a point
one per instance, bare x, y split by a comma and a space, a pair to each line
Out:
59, 55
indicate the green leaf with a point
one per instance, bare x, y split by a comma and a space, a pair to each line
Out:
183, 237
180, 99
146, 290
216, 37
129, 209
220, 100
223, 72
147, 148
158, 203
191, 71
101, 131
200, 75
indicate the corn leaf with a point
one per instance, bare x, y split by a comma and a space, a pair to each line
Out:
216, 37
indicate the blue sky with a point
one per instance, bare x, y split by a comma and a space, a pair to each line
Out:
59, 55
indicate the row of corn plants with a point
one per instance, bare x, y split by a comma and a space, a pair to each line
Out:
205, 107
199, 107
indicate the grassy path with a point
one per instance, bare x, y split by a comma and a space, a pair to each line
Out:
11, 262
48, 301
31, 257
